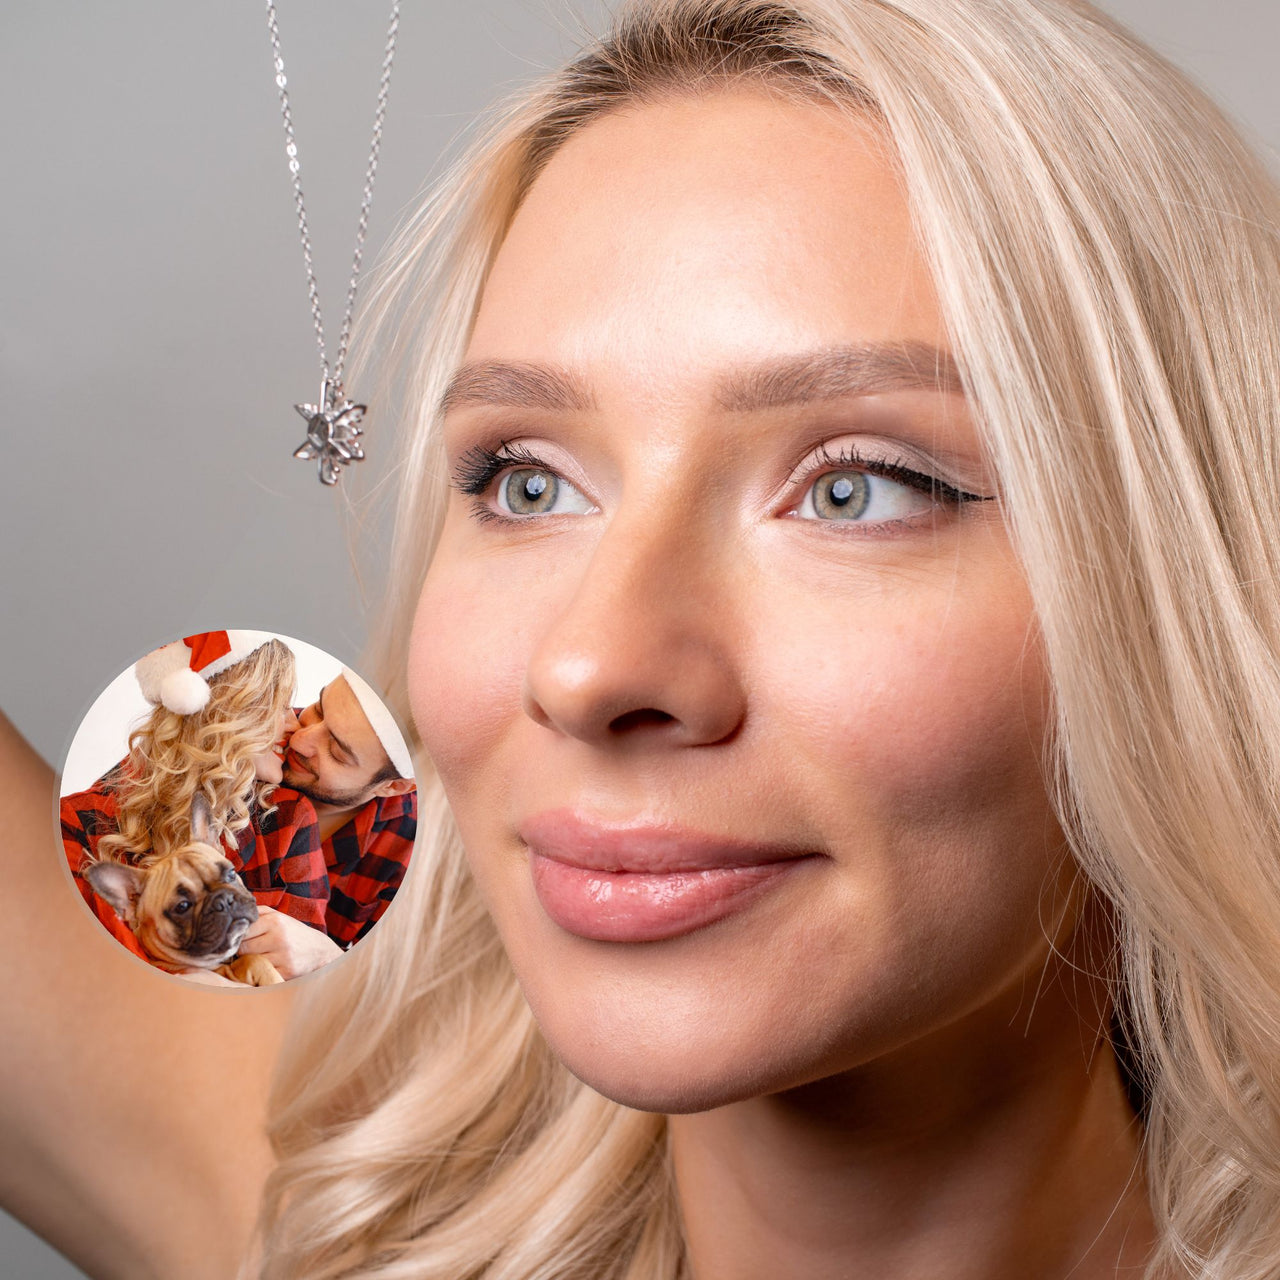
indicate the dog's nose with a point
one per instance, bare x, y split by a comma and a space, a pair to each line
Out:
221, 900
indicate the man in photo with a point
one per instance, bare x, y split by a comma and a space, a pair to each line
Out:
348, 758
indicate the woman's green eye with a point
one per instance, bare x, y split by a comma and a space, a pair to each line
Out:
528, 492
861, 496
841, 495
535, 491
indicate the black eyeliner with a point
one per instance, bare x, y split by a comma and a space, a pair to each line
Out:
937, 489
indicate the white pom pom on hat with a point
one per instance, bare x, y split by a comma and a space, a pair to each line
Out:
382, 722
177, 675
184, 692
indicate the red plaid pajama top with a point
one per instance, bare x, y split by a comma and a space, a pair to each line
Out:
278, 857
367, 858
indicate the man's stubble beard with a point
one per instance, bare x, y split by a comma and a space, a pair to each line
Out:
337, 799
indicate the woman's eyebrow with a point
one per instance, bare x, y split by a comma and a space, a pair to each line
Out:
516, 384
855, 370
832, 372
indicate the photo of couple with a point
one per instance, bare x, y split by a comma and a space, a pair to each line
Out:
261, 819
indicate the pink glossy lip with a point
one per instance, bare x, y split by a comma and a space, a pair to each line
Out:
645, 883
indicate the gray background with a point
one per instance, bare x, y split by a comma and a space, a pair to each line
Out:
153, 325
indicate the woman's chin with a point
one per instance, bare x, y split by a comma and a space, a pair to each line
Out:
683, 1061
678, 1080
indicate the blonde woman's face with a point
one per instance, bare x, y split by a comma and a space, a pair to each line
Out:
724, 658
268, 764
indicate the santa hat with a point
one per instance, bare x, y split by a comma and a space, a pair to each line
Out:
383, 723
177, 675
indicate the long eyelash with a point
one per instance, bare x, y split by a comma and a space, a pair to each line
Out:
898, 471
477, 469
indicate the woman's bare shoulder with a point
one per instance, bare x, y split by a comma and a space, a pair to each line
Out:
132, 1118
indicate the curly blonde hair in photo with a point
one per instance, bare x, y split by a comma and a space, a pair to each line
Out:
174, 758
1108, 261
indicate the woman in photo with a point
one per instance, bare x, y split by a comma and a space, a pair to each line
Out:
835, 590
220, 722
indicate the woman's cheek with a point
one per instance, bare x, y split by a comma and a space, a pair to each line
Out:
455, 675
914, 724
882, 664
474, 629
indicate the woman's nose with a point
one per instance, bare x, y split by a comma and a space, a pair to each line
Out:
645, 649
290, 721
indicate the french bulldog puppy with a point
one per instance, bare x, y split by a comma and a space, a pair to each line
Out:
188, 910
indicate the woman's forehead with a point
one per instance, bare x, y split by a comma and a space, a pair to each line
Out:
671, 243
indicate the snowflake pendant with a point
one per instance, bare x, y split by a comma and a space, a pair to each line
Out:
333, 431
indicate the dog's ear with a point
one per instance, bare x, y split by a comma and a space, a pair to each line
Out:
201, 821
119, 886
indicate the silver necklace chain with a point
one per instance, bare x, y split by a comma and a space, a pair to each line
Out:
333, 424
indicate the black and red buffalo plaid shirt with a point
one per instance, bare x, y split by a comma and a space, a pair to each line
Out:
278, 857
367, 857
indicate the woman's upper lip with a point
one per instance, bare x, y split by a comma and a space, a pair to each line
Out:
655, 848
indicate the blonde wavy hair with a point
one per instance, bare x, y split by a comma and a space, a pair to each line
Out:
174, 758
1106, 253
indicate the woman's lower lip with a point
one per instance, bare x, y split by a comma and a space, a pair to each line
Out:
643, 906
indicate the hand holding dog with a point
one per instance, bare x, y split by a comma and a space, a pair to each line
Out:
207, 978
293, 947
